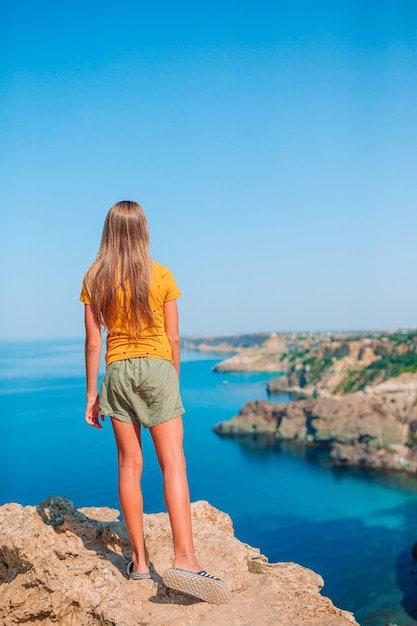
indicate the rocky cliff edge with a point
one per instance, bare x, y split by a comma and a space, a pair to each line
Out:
61, 565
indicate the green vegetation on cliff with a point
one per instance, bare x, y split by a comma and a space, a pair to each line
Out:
316, 368
319, 363
345, 364
389, 366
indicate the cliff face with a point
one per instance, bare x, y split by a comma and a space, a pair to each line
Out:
376, 429
361, 391
59, 565
326, 368
326, 364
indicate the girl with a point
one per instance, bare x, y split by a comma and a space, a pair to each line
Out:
134, 299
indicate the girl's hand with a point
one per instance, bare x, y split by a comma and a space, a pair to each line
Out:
92, 415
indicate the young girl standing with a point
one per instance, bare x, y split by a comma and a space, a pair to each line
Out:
134, 299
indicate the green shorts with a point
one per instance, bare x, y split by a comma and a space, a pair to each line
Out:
141, 391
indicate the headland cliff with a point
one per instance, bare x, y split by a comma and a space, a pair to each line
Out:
353, 393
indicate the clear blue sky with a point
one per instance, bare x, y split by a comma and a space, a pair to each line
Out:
272, 144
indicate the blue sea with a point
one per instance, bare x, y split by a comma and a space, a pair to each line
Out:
356, 528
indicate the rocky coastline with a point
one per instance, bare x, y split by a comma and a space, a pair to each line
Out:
267, 357
353, 393
375, 428
359, 429
224, 343
62, 565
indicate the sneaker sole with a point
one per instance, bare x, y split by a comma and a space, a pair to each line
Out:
211, 590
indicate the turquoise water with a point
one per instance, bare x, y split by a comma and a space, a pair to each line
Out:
355, 528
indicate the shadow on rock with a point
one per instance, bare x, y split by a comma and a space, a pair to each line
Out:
101, 531
164, 595
98, 528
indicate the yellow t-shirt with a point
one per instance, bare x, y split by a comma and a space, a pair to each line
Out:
153, 341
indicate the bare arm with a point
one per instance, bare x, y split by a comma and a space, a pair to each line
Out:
92, 363
171, 329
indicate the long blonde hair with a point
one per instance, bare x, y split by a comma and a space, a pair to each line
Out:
123, 263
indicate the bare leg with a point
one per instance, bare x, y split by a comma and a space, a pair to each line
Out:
129, 450
168, 439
